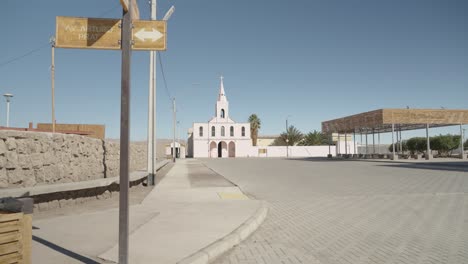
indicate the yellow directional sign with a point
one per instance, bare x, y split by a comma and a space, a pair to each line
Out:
87, 33
99, 33
149, 35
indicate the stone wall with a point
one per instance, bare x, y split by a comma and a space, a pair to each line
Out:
33, 158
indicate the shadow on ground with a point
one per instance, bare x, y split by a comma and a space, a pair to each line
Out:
64, 251
425, 165
443, 166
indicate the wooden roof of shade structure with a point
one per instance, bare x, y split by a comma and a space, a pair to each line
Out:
381, 120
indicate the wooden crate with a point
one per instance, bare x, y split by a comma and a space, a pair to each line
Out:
15, 238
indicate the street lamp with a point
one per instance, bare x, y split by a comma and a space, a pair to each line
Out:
151, 145
8, 97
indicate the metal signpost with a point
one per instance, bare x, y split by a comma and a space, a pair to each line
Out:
124, 34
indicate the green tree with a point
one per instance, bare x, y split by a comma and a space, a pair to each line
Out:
255, 124
292, 136
404, 146
416, 144
314, 138
465, 145
445, 144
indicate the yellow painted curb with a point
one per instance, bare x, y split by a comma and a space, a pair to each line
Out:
232, 196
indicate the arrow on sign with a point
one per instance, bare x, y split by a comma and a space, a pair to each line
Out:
152, 35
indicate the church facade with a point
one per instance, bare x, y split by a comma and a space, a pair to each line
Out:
221, 137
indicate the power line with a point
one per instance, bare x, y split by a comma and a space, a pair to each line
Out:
164, 76
24, 55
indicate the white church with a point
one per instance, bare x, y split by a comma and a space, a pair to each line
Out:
221, 137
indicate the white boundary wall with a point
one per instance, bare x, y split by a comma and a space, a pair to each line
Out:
300, 151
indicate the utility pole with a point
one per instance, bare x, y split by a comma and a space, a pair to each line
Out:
151, 145
174, 130
8, 97
178, 137
52, 77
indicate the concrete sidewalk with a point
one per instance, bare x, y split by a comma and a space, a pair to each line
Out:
192, 215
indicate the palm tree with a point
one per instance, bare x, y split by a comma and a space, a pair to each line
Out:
292, 136
314, 138
255, 124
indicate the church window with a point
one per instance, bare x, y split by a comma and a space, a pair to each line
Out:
222, 113
243, 131
232, 131
213, 132
222, 131
201, 131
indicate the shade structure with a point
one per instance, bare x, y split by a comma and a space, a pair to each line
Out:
381, 120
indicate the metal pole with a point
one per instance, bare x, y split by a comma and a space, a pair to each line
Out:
338, 144
378, 140
463, 146
329, 145
462, 154
354, 140
8, 113
287, 139
361, 138
366, 143
401, 141
125, 135
174, 129
52, 78
393, 142
346, 142
428, 150
151, 146
373, 141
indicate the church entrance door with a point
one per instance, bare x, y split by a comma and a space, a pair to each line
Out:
222, 149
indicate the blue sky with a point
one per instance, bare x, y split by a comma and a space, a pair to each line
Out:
310, 60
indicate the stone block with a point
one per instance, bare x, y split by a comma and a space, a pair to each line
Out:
24, 161
39, 175
49, 158
51, 173
3, 178
15, 176
29, 179
11, 160
22, 146
36, 160
3, 147
33, 146
3, 160
10, 143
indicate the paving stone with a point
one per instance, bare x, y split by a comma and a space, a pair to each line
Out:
351, 212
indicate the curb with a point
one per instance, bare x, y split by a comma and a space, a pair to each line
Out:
222, 245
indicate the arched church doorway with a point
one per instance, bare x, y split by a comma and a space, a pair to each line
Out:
213, 149
232, 149
222, 149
